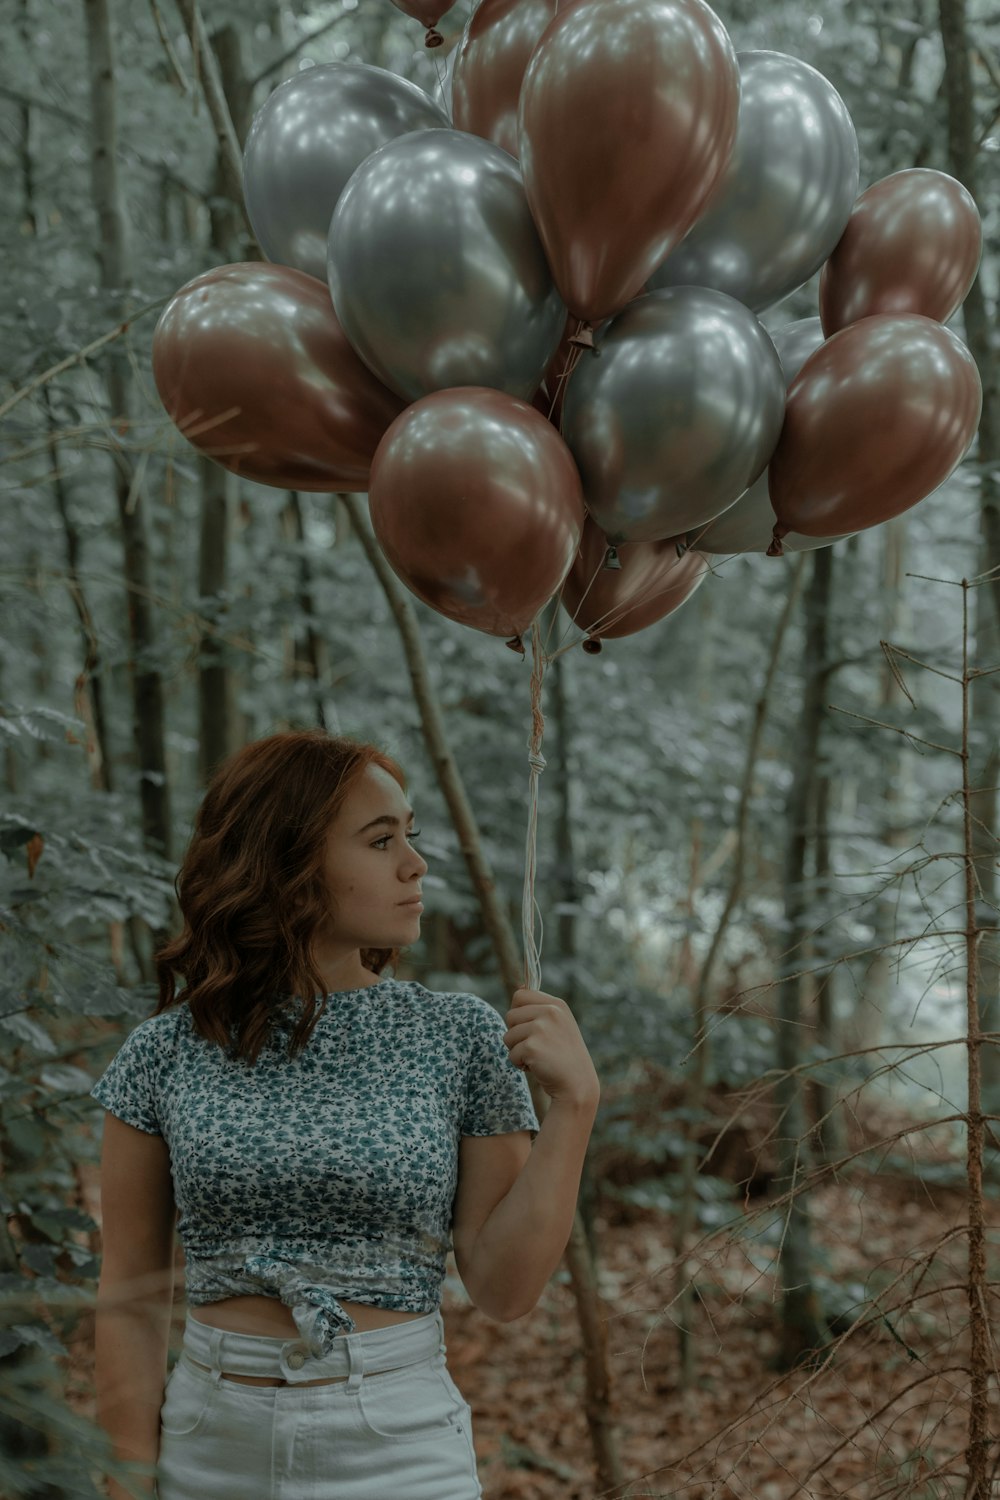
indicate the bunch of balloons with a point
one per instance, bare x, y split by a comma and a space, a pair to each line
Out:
530, 332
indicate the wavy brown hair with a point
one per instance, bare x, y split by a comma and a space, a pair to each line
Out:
252, 891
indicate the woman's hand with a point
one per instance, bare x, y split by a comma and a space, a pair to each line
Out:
545, 1038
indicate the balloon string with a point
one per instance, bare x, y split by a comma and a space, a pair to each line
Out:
536, 764
586, 591
564, 645
561, 378
618, 611
441, 72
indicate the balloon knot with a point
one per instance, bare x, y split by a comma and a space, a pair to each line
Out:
592, 645
516, 644
776, 549
433, 37
612, 560
681, 548
583, 338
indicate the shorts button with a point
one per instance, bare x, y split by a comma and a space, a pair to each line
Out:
296, 1359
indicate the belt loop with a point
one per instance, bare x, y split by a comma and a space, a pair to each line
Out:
215, 1353
356, 1357
440, 1324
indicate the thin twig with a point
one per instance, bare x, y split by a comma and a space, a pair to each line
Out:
80, 355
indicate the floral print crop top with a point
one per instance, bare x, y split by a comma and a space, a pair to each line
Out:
331, 1174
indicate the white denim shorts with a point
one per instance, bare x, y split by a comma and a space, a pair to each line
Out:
397, 1428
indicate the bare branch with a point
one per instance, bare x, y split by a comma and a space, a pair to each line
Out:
80, 356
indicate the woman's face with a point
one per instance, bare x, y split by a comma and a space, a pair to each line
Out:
372, 869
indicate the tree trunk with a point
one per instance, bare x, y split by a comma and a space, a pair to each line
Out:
565, 884
981, 766
882, 987
216, 688
829, 1118
219, 108
217, 715
146, 683
985, 736
230, 232
803, 1326
88, 684
497, 921
88, 694
829, 1127
682, 1298
310, 655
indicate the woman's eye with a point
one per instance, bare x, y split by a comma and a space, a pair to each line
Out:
414, 833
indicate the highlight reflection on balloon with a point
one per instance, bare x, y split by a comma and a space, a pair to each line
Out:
436, 269
626, 122
747, 526
490, 60
786, 195
874, 421
676, 416
651, 583
253, 367
911, 245
305, 141
477, 505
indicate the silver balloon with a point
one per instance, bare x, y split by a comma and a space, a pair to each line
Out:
436, 270
787, 194
305, 142
676, 413
747, 525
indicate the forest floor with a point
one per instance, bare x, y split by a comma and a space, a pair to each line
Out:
884, 1416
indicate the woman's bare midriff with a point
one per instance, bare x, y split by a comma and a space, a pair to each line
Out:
272, 1319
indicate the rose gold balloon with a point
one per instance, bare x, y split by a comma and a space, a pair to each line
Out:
489, 66
651, 583
253, 367
875, 420
476, 502
427, 11
912, 245
627, 121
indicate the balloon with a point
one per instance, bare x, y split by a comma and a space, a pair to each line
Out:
477, 505
490, 62
627, 121
437, 272
429, 12
676, 415
786, 195
251, 364
875, 420
652, 582
306, 140
912, 245
747, 525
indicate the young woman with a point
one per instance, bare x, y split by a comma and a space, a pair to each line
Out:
322, 1137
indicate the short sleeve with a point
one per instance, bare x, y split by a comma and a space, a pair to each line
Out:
497, 1096
126, 1086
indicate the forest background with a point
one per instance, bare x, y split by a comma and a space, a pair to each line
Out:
766, 834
